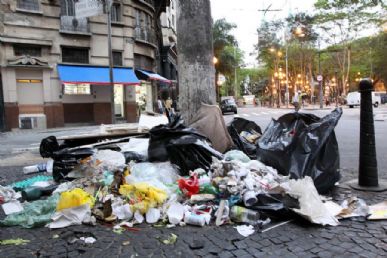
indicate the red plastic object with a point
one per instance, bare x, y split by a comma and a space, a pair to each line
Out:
189, 186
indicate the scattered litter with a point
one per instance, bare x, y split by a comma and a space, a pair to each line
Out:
12, 207
311, 206
18, 186
8, 194
378, 211
245, 230
71, 216
35, 214
170, 240
276, 226
175, 213
16, 241
125, 243
56, 236
88, 240
353, 207
74, 198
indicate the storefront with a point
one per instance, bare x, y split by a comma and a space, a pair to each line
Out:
87, 94
149, 89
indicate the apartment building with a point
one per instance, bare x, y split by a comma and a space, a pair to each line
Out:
54, 66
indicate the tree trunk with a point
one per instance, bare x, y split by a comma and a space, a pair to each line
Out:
195, 53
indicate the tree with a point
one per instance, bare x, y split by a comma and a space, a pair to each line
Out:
196, 69
228, 55
340, 21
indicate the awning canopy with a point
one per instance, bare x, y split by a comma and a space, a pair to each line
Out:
96, 75
146, 75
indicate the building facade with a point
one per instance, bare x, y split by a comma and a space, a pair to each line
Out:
54, 66
168, 53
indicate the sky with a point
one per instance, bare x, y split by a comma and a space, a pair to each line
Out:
246, 15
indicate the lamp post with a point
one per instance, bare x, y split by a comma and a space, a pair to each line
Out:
108, 7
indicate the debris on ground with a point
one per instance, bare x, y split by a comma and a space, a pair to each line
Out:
16, 241
174, 176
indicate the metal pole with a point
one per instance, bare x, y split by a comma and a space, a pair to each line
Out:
368, 166
108, 5
235, 78
287, 76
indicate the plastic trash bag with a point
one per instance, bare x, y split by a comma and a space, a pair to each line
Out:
159, 174
74, 198
302, 145
143, 196
239, 125
236, 155
182, 145
35, 214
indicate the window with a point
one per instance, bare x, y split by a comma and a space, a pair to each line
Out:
143, 62
77, 89
117, 58
27, 50
67, 8
75, 55
138, 18
32, 5
116, 12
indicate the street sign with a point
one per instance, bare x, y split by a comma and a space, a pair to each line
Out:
88, 8
319, 78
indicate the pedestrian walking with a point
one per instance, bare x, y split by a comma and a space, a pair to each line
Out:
296, 101
160, 106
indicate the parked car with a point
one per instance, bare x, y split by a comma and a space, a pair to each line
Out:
228, 105
353, 99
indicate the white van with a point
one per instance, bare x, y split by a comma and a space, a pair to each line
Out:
353, 99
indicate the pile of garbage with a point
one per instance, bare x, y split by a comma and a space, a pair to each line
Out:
173, 176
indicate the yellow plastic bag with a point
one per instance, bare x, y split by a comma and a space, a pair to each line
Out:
143, 196
74, 198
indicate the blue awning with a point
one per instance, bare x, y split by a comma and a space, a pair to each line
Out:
96, 75
146, 75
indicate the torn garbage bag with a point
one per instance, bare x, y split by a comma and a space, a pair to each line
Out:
244, 133
182, 145
302, 145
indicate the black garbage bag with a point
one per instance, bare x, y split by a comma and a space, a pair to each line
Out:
181, 145
275, 206
300, 145
239, 125
48, 146
189, 153
133, 156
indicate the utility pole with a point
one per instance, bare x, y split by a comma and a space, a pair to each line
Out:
320, 80
286, 70
108, 8
235, 78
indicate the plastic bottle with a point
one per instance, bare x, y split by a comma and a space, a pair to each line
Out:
194, 219
243, 215
42, 167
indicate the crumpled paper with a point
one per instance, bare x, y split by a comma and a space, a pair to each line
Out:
311, 206
71, 216
245, 230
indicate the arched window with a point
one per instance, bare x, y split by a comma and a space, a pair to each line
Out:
67, 7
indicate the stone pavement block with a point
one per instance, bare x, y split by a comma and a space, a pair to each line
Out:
225, 254
239, 253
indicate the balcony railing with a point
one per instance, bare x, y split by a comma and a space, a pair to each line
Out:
31, 5
71, 24
148, 1
145, 34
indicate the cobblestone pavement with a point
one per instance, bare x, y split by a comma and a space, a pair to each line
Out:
352, 238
